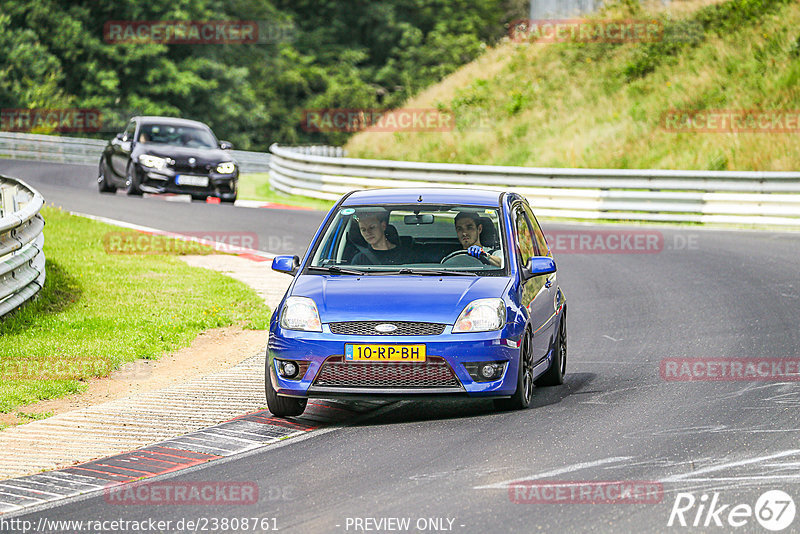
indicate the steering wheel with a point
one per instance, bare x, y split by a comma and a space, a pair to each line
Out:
457, 253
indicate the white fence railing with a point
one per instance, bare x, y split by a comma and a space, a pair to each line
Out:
87, 151
22, 269
758, 198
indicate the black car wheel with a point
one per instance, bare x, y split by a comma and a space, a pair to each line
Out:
131, 181
102, 180
555, 375
282, 406
524, 393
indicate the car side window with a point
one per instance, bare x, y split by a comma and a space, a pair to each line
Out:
129, 131
524, 237
541, 242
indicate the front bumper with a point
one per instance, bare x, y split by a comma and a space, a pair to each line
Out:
223, 186
453, 350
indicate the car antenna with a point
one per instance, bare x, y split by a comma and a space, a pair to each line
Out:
419, 199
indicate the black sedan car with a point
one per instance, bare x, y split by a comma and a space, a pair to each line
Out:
167, 155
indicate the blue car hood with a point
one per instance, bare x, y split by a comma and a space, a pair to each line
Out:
396, 298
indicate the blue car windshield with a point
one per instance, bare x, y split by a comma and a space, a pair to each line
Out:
415, 239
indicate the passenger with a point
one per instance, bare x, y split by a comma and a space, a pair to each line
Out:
380, 251
468, 229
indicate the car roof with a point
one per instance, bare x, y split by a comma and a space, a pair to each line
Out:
150, 119
432, 195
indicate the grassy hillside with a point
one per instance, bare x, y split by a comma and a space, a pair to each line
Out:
603, 105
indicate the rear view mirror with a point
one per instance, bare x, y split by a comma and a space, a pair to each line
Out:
539, 265
286, 264
419, 218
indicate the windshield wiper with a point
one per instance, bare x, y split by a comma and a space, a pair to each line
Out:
433, 272
335, 269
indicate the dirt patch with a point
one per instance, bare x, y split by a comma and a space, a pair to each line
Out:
211, 351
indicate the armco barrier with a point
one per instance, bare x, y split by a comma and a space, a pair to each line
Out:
758, 198
22, 266
87, 151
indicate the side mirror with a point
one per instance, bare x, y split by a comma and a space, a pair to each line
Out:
119, 136
226, 145
537, 266
286, 264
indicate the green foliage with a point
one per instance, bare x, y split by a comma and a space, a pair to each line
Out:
356, 53
99, 310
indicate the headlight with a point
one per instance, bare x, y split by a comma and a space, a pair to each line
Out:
153, 162
300, 313
226, 167
481, 315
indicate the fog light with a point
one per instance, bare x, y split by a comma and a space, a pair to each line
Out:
288, 369
488, 370
485, 371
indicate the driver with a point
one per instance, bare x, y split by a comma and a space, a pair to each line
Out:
469, 228
372, 225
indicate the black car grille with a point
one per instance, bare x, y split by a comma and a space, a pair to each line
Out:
189, 169
404, 328
434, 373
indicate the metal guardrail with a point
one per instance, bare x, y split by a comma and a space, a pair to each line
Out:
22, 264
81, 151
758, 198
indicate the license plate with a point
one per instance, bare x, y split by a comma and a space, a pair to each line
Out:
384, 353
197, 181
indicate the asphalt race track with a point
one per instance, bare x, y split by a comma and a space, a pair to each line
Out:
448, 467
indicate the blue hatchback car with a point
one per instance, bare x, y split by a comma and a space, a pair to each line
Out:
419, 293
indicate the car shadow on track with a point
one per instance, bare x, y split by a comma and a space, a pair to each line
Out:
440, 410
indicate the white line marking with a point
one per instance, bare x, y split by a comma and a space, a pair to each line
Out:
569, 469
714, 468
609, 337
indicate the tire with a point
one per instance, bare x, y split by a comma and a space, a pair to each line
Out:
131, 185
282, 406
102, 181
558, 368
524, 393
229, 200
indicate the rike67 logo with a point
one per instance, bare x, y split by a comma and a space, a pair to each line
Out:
774, 510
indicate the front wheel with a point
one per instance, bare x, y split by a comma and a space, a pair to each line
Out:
102, 180
131, 182
282, 406
558, 368
524, 393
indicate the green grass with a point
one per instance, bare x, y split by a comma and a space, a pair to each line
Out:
34, 416
99, 310
256, 186
592, 105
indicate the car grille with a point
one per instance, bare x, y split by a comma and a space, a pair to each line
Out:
181, 167
435, 372
404, 328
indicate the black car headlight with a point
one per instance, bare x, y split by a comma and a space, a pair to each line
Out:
153, 162
226, 167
